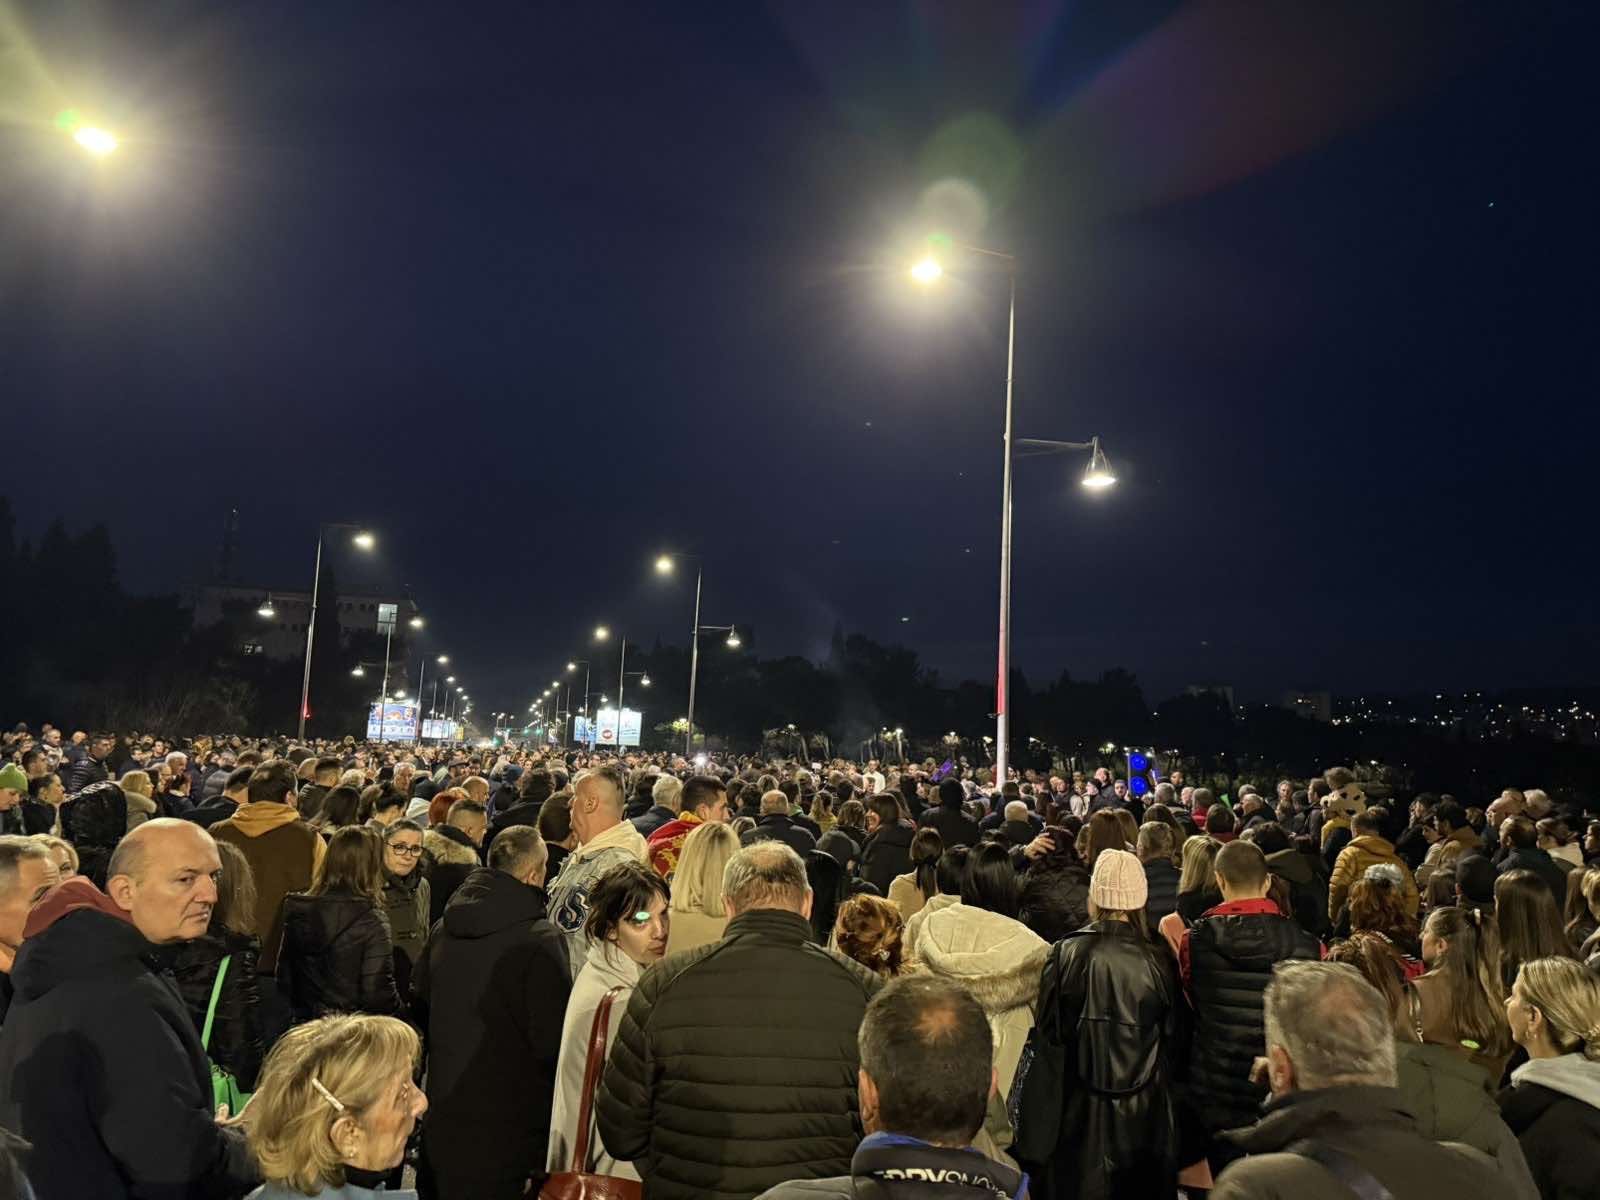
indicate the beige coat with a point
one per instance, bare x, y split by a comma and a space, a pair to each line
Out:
905, 896
689, 930
915, 923
1001, 962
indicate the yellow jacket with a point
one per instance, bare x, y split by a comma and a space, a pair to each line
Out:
1365, 851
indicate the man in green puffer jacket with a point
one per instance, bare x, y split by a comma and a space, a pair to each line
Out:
735, 1066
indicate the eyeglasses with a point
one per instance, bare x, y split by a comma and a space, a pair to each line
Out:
405, 848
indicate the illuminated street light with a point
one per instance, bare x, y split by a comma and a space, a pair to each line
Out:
449, 678
1099, 474
572, 666
644, 680
266, 612
364, 540
358, 670
927, 270
664, 564
416, 621
601, 633
733, 642
442, 659
98, 142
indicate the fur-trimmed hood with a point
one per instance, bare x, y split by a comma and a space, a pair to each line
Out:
446, 850
998, 959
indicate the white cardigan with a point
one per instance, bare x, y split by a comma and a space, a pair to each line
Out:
605, 968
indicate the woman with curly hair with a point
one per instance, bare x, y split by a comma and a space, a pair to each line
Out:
870, 929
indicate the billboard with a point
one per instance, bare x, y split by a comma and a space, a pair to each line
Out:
607, 733
392, 722
442, 731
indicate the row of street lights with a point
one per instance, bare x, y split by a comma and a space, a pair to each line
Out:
363, 539
666, 564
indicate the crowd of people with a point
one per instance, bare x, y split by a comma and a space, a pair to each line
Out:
241, 967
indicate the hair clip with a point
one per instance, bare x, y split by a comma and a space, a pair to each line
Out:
327, 1095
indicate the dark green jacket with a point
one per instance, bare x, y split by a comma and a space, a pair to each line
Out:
1454, 1101
735, 1065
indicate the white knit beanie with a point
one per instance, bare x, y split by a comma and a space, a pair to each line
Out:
1119, 883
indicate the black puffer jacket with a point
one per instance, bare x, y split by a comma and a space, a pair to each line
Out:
1161, 882
1230, 959
1109, 1000
237, 1039
337, 956
81, 774
1307, 878
1055, 898
95, 821
887, 853
735, 1065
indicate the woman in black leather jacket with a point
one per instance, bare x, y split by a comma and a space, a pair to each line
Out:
337, 954
237, 1037
1096, 1115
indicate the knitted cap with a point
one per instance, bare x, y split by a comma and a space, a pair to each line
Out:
1118, 882
11, 777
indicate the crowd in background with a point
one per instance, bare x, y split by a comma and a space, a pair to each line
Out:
238, 966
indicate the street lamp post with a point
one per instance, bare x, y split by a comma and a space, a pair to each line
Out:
363, 541
573, 666
927, 271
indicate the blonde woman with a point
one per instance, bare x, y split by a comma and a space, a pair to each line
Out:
1553, 1104
334, 1108
138, 789
1197, 889
697, 913
62, 853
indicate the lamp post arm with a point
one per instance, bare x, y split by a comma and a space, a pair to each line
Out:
1039, 447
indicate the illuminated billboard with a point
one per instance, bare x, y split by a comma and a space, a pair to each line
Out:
392, 722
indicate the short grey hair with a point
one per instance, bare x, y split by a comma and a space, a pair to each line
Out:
666, 791
768, 874
516, 849
774, 802
1333, 1024
1016, 810
13, 849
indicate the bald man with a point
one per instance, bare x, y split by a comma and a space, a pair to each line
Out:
604, 840
137, 1120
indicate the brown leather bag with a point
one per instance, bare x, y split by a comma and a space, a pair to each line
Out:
581, 1183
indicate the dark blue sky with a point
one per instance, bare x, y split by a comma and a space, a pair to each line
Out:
537, 290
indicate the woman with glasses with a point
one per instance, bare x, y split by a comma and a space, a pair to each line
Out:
407, 899
334, 1109
627, 933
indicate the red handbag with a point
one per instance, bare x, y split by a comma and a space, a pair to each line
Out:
581, 1183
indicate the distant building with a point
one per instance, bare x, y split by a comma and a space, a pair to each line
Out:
1316, 705
283, 635
1222, 690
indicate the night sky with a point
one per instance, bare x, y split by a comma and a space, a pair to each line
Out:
539, 290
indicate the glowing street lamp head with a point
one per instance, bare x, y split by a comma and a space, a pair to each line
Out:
664, 564
601, 633
733, 642
645, 680
266, 612
927, 270
98, 142
358, 670
1099, 475
572, 666
416, 622
364, 540
442, 659
400, 695
449, 678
